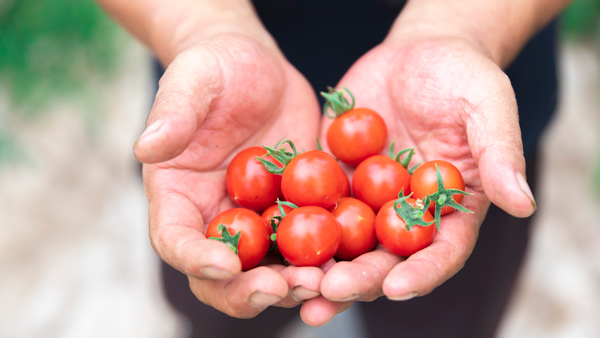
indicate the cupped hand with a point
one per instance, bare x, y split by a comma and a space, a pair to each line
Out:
448, 100
217, 97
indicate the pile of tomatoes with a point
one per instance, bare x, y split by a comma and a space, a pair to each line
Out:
307, 212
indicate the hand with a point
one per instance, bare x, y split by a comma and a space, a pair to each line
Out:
217, 97
446, 98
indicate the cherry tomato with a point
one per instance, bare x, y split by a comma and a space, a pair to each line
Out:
356, 135
357, 224
312, 179
424, 182
308, 236
378, 180
254, 240
392, 234
273, 211
248, 184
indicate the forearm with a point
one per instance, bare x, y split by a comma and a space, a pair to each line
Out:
168, 27
500, 28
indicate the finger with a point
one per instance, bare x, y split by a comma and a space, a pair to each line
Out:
176, 232
320, 311
218, 94
243, 296
286, 302
304, 282
494, 136
360, 279
190, 85
427, 269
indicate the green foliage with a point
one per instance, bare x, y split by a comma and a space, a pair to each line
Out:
49, 48
582, 19
9, 151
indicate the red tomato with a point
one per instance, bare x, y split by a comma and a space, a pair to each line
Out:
249, 184
356, 135
424, 182
357, 224
346, 187
308, 236
254, 240
273, 211
312, 179
378, 180
392, 234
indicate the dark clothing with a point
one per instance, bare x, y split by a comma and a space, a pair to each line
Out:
322, 39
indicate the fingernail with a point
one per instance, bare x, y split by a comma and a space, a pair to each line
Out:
525, 189
151, 129
211, 272
260, 300
299, 293
353, 296
404, 297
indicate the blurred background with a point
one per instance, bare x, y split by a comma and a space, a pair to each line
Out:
75, 259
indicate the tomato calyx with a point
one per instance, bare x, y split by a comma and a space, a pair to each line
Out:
443, 197
412, 215
231, 241
275, 220
336, 101
396, 157
280, 154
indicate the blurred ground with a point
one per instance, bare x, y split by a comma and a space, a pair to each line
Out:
76, 260
559, 290
74, 252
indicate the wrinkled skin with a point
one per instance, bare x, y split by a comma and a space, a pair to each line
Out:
217, 97
444, 97
449, 101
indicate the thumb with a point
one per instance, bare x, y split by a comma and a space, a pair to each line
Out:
495, 141
186, 92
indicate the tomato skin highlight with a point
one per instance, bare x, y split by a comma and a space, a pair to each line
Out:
356, 135
357, 226
308, 236
273, 211
424, 182
312, 179
378, 180
392, 234
249, 185
254, 241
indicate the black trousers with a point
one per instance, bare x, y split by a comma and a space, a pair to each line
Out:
470, 304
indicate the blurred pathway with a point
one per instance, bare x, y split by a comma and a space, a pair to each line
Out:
559, 290
75, 258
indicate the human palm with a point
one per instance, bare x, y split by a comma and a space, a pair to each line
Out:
449, 101
215, 99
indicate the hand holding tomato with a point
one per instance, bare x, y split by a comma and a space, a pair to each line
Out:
221, 95
448, 100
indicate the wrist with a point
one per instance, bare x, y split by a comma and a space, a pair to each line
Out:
444, 20
499, 29
169, 27
173, 34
